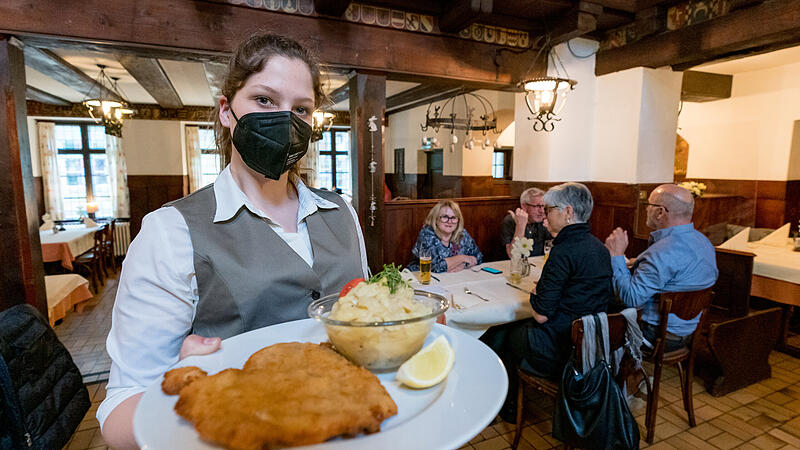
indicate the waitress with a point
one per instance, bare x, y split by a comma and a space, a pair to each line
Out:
251, 250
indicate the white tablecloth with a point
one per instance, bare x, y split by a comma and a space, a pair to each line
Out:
506, 303
79, 239
778, 262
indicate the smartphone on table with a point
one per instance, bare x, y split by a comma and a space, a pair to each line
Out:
490, 270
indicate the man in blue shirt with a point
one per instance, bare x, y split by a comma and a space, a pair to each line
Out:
678, 259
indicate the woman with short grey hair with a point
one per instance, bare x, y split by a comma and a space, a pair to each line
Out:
575, 281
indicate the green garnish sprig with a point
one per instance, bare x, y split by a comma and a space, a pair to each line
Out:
390, 273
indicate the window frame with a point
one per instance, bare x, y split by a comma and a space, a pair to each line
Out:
507, 153
333, 153
85, 151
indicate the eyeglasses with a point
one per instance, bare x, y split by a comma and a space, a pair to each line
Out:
547, 209
534, 206
656, 205
451, 219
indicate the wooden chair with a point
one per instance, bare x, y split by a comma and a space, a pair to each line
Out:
617, 325
108, 246
92, 261
685, 305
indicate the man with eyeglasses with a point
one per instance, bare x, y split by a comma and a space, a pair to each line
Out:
678, 259
527, 221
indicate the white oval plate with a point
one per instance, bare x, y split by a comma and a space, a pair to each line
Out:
445, 416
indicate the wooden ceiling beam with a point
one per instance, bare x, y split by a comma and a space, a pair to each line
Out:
461, 14
772, 24
443, 95
178, 24
52, 65
333, 8
38, 95
416, 93
151, 76
578, 22
340, 94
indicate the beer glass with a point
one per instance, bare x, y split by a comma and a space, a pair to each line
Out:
425, 266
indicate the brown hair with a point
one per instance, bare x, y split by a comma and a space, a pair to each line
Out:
433, 219
250, 57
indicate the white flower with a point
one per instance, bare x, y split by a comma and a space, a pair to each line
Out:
696, 189
521, 247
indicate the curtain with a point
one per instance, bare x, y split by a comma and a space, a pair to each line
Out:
308, 165
193, 157
117, 177
48, 155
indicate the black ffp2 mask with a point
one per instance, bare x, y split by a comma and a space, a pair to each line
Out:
270, 142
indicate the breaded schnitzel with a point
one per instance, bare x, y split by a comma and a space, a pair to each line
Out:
287, 394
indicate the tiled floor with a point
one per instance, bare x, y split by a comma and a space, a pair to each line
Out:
84, 334
764, 415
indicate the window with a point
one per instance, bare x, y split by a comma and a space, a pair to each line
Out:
501, 163
209, 158
334, 161
83, 168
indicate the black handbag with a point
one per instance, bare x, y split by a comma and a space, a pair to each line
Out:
590, 410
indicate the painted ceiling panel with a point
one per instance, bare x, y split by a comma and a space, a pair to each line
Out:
189, 80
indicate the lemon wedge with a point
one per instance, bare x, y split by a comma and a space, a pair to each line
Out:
429, 366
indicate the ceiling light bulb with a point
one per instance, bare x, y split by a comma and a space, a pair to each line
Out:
454, 138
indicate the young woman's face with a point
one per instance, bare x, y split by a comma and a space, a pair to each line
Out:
447, 222
284, 84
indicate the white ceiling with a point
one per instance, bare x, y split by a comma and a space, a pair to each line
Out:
763, 61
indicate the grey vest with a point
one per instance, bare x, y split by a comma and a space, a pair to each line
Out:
248, 277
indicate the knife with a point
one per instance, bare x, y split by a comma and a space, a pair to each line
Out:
517, 287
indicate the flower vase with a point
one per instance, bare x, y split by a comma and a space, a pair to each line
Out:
518, 264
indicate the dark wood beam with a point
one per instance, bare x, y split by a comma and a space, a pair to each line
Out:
178, 24
772, 24
421, 92
461, 14
214, 73
705, 87
340, 94
333, 8
443, 95
31, 93
367, 99
621, 5
581, 20
151, 76
55, 67
650, 21
22, 277
143, 111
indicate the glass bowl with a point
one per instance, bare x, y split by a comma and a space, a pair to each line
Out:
379, 346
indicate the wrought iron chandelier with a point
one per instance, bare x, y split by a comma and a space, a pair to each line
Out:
108, 112
321, 121
546, 95
470, 122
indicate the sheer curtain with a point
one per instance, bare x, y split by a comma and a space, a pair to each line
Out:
48, 155
193, 157
117, 177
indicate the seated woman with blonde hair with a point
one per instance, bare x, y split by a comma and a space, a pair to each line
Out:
444, 238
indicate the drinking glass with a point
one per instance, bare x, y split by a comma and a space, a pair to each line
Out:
425, 266
548, 245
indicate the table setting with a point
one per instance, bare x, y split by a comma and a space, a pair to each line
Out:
65, 245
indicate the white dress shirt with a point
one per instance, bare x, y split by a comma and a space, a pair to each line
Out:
157, 293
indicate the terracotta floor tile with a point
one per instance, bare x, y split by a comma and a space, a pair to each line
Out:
495, 443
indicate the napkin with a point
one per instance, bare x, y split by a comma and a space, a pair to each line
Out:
778, 237
89, 222
737, 242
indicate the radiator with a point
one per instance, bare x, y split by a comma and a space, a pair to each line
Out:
122, 238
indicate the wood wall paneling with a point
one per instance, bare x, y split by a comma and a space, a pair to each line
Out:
38, 186
22, 277
792, 213
150, 192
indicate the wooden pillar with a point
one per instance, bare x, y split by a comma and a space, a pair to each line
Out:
22, 278
368, 99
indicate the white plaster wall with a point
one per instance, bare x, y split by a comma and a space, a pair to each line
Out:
564, 153
794, 157
658, 120
153, 147
752, 132
404, 132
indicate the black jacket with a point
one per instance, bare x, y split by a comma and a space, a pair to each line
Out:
576, 279
42, 392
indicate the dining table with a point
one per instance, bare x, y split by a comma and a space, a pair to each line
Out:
492, 298
65, 245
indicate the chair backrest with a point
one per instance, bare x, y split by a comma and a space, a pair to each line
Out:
617, 325
99, 239
732, 290
685, 305
110, 232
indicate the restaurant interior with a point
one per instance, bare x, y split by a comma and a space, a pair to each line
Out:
108, 116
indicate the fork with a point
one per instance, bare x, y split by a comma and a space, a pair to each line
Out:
466, 289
